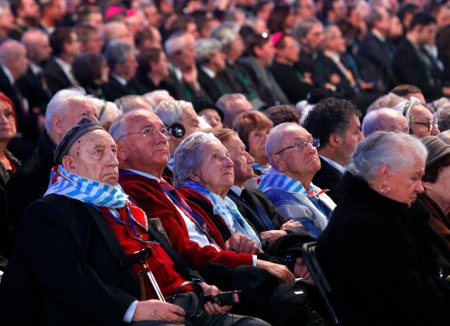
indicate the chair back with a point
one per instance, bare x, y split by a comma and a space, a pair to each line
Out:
310, 259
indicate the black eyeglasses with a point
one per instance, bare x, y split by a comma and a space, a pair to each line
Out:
428, 124
150, 133
315, 142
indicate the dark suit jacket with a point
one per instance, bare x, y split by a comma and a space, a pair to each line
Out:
212, 87
288, 79
329, 68
178, 91
30, 182
409, 69
11, 92
375, 60
32, 86
329, 177
70, 273
113, 89
56, 78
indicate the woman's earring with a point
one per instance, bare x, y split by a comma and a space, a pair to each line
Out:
385, 189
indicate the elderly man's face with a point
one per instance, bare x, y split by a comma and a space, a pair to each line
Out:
94, 156
144, 148
241, 158
301, 162
421, 119
189, 120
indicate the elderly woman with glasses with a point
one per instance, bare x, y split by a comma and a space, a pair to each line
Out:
294, 162
377, 251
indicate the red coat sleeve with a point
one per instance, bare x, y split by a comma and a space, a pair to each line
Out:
154, 202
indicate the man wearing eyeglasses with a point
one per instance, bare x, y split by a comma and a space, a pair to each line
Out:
294, 162
421, 121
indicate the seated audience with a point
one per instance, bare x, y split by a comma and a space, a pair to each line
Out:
336, 123
157, 96
287, 183
384, 119
101, 265
132, 102
407, 91
378, 239
153, 68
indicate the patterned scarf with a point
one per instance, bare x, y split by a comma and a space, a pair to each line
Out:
171, 162
62, 182
313, 198
227, 209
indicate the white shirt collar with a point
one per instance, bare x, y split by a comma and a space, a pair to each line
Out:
334, 164
378, 35
237, 190
8, 74
119, 79
208, 71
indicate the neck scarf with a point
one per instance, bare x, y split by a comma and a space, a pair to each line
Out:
314, 198
95, 193
227, 209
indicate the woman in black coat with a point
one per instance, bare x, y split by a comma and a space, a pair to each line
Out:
377, 251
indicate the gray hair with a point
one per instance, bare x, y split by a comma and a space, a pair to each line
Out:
119, 126
206, 48
303, 26
171, 111
443, 117
225, 33
61, 102
157, 96
397, 150
175, 43
132, 102
110, 30
28, 38
110, 110
188, 156
10, 49
373, 16
116, 52
222, 102
379, 120
389, 100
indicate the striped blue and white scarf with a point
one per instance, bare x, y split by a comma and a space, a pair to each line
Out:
273, 179
64, 183
227, 209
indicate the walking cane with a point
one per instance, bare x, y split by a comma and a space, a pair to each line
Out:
141, 257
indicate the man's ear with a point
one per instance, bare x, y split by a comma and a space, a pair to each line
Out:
335, 140
277, 163
69, 164
121, 150
195, 177
57, 125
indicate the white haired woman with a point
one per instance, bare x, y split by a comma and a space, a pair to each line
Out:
376, 251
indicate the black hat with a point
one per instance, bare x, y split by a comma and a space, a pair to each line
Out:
82, 127
200, 105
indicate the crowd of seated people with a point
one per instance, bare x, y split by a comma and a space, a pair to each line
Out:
219, 139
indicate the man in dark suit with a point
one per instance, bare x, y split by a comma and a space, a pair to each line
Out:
183, 74
97, 278
336, 123
375, 53
58, 70
122, 64
411, 65
13, 65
